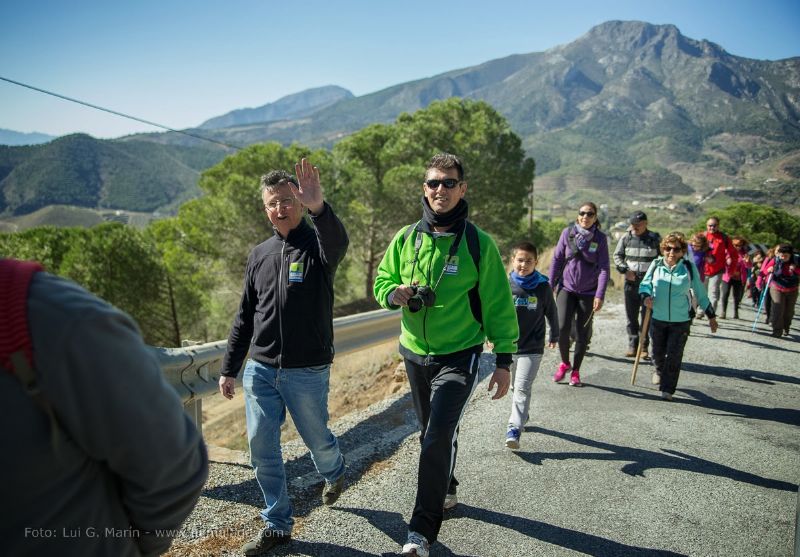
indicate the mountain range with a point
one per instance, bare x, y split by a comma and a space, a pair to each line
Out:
87, 172
10, 137
629, 109
297, 105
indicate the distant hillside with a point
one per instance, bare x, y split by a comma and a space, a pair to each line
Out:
12, 138
87, 172
297, 105
629, 106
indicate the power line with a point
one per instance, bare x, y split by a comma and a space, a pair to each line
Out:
128, 116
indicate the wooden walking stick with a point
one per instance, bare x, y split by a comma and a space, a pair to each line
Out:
642, 335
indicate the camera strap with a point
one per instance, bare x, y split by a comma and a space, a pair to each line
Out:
453, 250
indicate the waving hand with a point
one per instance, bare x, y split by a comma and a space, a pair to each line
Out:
309, 191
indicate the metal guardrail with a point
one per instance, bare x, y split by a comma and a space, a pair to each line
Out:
193, 371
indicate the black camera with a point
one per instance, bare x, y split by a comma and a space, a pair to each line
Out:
423, 295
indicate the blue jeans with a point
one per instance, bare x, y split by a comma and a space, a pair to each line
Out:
269, 392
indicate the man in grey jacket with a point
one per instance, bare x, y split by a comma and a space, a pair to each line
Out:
121, 465
635, 251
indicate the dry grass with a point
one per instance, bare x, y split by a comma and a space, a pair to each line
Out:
357, 381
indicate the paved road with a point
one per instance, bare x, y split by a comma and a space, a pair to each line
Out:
608, 469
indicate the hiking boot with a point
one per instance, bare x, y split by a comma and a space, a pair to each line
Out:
416, 544
724, 315
786, 332
575, 379
450, 499
656, 378
666, 396
332, 490
631, 353
264, 541
512, 438
562, 370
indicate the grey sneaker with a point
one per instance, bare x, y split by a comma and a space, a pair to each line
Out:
416, 545
265, 541
331, 491
666, 396
451, 499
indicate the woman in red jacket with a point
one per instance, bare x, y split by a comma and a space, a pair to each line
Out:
720, 254
734, 277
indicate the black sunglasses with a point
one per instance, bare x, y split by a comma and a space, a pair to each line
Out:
449, 183
673, 248
585, 214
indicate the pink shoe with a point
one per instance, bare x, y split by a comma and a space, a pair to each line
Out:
575, 379
563, 368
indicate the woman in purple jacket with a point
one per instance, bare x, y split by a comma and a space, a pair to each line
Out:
579, 275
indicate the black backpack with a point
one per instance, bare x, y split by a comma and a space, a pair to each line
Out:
474, 247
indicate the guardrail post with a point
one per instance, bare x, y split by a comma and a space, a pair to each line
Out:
194, 408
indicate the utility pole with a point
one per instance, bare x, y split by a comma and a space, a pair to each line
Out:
530, 212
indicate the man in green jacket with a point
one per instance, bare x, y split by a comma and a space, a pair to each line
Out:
447, 276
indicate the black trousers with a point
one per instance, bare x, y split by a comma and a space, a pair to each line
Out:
738, 293
574, 307
668, 340
440, 391
634, 311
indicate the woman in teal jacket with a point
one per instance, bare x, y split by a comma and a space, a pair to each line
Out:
665, 289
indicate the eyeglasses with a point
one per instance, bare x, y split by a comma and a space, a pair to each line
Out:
286, 203
673, 248
586, 213
449, 183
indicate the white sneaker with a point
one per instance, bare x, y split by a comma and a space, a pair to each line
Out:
416, 544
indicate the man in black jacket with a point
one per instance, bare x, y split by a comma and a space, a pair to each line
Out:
285, 320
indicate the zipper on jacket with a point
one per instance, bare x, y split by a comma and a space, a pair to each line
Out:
425, 316
281, 291
669, 297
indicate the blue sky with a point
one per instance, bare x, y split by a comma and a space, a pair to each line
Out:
179, 63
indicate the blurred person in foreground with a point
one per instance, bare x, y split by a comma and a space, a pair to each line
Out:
99, 457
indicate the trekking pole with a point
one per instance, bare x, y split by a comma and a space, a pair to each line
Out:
642, 335
587, 321
761, 303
